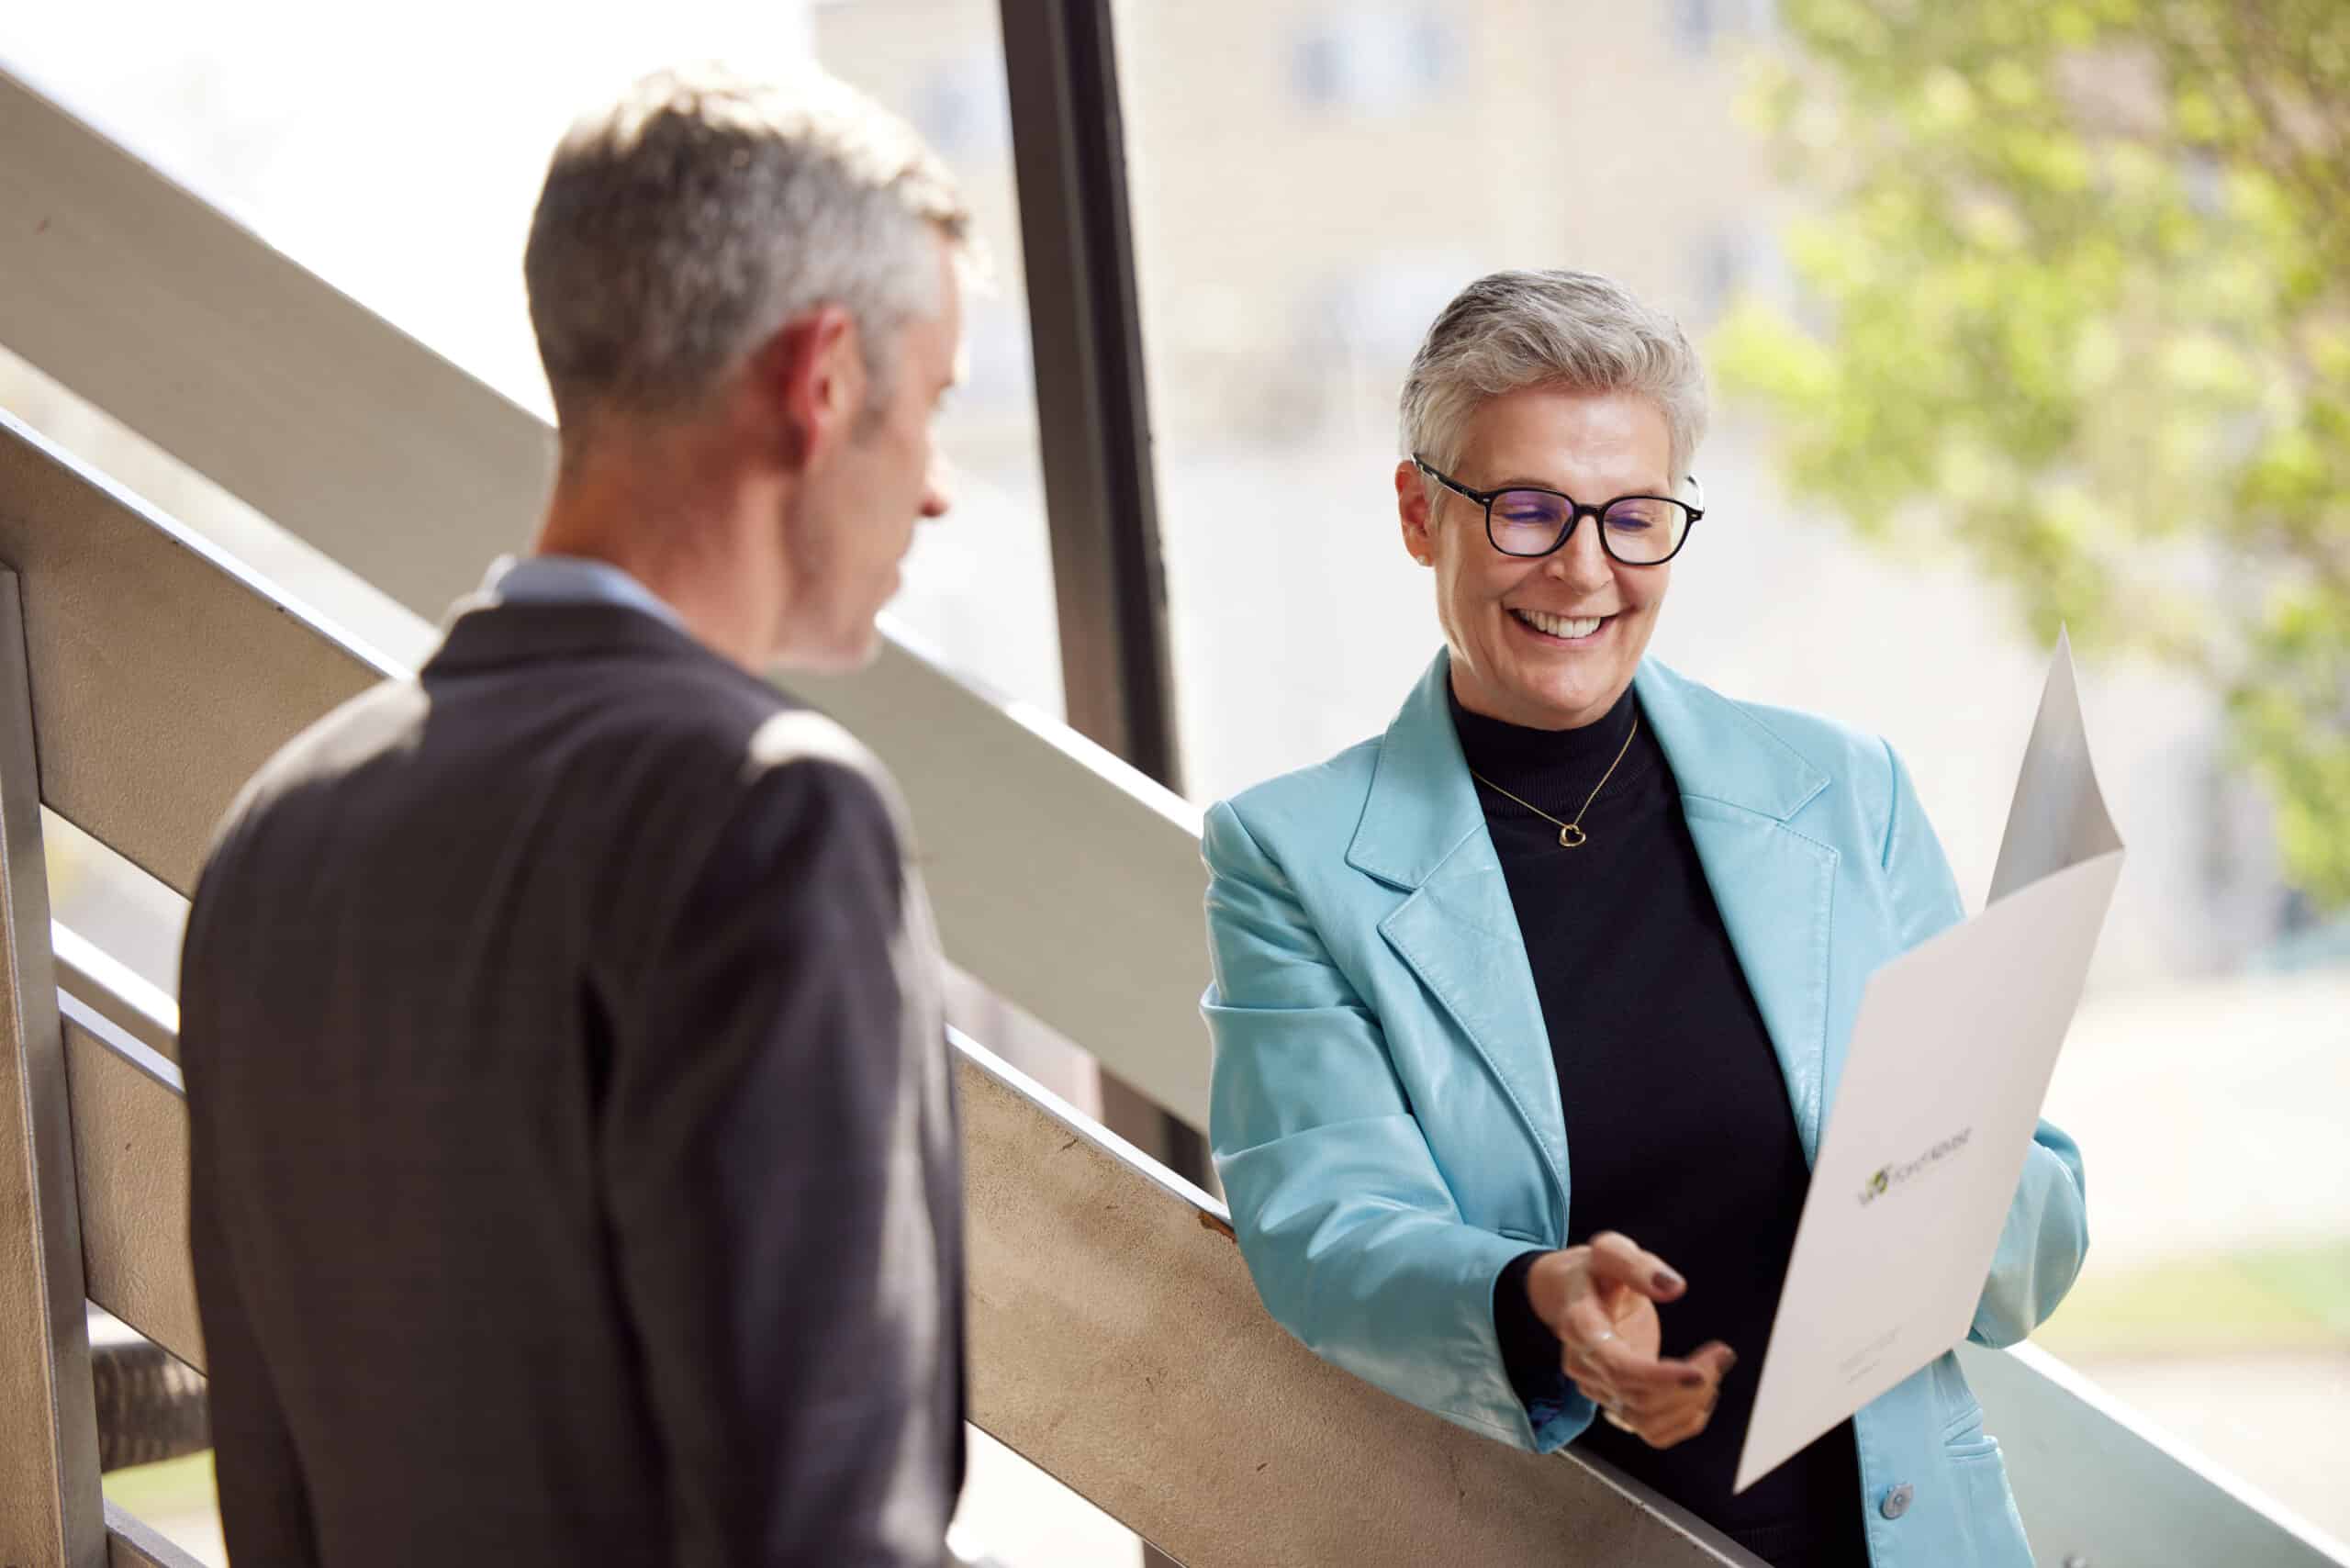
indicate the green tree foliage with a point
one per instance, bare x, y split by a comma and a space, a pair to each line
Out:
2077, 280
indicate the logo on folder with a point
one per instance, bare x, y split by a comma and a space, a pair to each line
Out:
1891, 1176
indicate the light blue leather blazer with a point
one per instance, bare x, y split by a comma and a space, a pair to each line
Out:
1386, 1113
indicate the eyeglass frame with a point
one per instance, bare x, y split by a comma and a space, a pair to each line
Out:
1576, 511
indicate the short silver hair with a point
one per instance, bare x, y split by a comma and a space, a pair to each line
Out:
682, 226
1553, 328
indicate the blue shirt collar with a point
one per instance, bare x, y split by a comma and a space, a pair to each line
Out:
572, 579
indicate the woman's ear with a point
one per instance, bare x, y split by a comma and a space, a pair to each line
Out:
1412, 511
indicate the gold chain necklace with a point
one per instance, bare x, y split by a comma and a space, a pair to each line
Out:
1570, 833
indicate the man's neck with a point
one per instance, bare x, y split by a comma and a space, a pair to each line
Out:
688, 525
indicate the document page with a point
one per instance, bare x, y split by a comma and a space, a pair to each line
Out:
1950, 1059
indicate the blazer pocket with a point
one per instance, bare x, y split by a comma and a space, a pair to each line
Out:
1964, 1439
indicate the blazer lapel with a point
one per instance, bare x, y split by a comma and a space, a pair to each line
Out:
1422, 831
1775, 887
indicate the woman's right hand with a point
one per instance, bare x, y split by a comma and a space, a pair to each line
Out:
1600, 1300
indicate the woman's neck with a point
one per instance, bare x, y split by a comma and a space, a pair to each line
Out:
1548, 766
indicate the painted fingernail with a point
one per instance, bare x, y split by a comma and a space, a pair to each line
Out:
1666, 1280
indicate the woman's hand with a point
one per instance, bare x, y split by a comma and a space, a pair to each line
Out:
1600, 1300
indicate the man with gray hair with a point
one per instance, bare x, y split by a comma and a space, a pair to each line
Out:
575, 1174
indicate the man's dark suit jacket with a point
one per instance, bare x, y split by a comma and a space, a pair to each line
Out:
575, 1173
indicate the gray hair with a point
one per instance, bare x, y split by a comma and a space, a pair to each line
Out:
680, 228
1554, 328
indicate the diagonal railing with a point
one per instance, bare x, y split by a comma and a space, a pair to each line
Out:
1064, 881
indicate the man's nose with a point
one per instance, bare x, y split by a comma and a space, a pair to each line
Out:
938, 489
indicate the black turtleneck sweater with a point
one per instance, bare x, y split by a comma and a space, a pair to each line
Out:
1679, 1131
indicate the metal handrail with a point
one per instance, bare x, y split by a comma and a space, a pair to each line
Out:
133, 1544
123, 998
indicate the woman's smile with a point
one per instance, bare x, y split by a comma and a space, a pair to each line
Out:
1561, 630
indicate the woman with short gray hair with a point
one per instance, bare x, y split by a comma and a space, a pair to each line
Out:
1528, 1012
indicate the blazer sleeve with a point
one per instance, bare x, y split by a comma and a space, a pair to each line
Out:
2046, 1233
753, 1154
1354, 1240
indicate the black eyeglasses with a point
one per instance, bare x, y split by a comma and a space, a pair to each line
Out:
1639, 531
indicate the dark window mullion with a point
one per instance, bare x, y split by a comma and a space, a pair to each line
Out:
1092, 412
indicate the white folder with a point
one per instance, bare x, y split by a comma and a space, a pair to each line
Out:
1950, 1059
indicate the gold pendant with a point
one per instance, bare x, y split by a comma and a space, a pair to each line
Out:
1570, 836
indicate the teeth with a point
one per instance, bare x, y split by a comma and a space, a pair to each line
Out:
1559, 625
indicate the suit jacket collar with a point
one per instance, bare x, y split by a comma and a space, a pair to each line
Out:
1423, 804
485, 632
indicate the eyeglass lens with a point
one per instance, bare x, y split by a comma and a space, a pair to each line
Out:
1637, 528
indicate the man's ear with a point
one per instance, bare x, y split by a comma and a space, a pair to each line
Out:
808, 382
